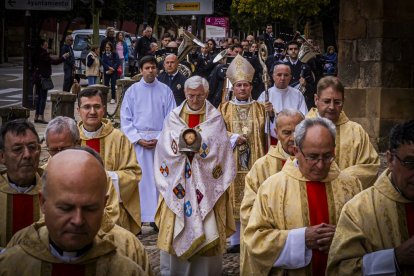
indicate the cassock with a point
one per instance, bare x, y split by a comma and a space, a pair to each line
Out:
285, 205
121, 165
371, 225
284, 98
354, 152
194, 212
176, 83
127, 244
18, 209
34, 255
246, 119
143, 110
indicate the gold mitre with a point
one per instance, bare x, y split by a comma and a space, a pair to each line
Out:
240, 69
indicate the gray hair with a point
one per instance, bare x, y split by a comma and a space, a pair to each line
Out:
195, 82
280, 65
289, 112
302, 128
60, 124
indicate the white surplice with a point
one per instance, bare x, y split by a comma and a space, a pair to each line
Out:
284, 98
144, 107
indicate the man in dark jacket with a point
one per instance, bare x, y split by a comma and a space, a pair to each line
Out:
143, 47
69, 63
110, 37
173, 78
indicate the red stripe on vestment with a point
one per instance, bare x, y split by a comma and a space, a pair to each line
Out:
95, 144
193, 120
23, 211
318, 213
68, 270
409, 213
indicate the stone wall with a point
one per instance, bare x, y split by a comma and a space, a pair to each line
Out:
376, 63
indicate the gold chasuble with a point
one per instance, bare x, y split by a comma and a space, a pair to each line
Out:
165, 218
285, 201
247, 120
17, 210
118, 156
32, 256
376, 219
127, 244
354, 152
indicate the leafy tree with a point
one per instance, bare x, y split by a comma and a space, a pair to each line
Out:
293, 11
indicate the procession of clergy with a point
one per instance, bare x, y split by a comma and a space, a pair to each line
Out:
312, 204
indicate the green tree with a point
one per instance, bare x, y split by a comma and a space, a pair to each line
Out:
293, 11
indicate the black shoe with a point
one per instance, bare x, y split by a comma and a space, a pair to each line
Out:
154, 226
234, 249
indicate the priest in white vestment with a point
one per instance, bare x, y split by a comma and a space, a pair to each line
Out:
282, 96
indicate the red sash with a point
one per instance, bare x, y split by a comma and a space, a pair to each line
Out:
283, 162
68, 270
273, 141
95, 144
23, 210
193, 120
409, 213
318, 213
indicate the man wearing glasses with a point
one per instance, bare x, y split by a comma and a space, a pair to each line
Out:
117, 153
377, 226
293, 219
354, 152
194, 212
20, 183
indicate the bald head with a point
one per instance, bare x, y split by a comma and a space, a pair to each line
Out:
171, 64
172, 44
73, 198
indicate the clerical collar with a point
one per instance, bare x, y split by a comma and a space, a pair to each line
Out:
22, 189
92, 134
190, 111
67, 256
235, 100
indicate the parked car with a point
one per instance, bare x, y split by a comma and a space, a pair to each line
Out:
81, 47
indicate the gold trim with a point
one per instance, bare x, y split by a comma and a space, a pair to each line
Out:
402, 220
331, 203
304, 203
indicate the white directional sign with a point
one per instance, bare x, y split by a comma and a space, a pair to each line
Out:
43, 5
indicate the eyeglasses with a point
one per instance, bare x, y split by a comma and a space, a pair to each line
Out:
195, 97
335, 102
56, 150
88, 107
313, 160
19, 149
407, 164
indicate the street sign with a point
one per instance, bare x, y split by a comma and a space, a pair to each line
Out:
49, 5
184, 7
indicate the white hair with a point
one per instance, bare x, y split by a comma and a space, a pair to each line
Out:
302, 128
195, 82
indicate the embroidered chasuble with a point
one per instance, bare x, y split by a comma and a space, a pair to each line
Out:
354, 152
119, 157
17, 210
32, 256
286, 201
247, 120
378, 218
194, 214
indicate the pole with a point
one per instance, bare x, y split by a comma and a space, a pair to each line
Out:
27, 99
95, 23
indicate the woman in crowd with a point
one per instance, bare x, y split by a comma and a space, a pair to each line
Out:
122, 51
110, 63
92, 65
43, 72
